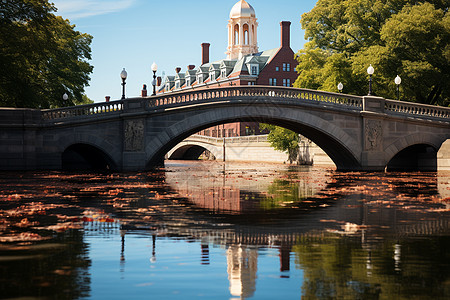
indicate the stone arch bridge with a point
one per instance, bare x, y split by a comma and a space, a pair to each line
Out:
357, 133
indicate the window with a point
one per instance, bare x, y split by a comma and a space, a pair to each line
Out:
251, 83
272, 81
254, 70
224, 73
286, 67
177, 85
167, 87
286, 82
236, 34
245, 28
277, 69
188, 82
199, 79
212, 76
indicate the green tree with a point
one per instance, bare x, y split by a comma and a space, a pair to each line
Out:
283, 139
408, 38
42, 56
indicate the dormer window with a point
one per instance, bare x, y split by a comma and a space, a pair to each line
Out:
253, 69
177, 85
212, 76
188, 82
199, 78
167, 87
224, 73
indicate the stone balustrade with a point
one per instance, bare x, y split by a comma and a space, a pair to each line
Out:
276, 94
393, 106
285, 93
83, 110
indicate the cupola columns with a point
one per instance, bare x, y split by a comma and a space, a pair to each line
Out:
242, 31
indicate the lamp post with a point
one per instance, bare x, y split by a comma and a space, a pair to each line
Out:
397, 81
65, 97
340, 86
123, 75
370, 71
154, 69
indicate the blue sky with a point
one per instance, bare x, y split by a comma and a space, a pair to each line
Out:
132, 34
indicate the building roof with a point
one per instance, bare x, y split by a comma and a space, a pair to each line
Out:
242, 9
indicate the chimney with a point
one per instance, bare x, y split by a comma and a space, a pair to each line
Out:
205, 53
158, 81
107, 98
191, 67
285, 34
177, 69
144, 91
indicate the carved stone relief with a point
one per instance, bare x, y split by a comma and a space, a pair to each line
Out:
373, 135
134, 135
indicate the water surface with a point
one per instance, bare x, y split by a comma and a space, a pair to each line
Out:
202, 230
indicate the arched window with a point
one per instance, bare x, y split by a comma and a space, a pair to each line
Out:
236, 34
246, 36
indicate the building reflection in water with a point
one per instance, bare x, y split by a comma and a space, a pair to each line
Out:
242, 265
237, 190
354, 233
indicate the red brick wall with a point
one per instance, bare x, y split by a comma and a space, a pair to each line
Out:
284, 55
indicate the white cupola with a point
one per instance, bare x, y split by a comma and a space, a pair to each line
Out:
242, 29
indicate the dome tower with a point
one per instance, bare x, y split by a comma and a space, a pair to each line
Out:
242, 28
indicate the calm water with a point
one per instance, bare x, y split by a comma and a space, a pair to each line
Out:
209, 230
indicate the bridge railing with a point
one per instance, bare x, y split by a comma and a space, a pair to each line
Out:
234, 139
279, 94
287, 94
410, 108
83, 110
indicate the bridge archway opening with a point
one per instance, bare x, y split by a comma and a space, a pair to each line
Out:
341, 156
419, 157
86, 157
191, 152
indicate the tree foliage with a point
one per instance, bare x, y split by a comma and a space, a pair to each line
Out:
42, 56
282, 139
398, 37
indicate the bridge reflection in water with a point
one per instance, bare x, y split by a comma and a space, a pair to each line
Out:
337, 235
243, 223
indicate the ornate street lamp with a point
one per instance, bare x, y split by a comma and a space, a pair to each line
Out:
397, 81
154, 69
370, 71
65, 97
340, 86
123, 75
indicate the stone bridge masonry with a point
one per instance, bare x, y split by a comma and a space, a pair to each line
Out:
357, 133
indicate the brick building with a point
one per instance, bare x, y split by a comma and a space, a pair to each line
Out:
244, 65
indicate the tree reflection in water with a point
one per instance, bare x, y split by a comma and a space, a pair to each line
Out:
353, 235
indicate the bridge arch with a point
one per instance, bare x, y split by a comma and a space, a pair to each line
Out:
88, 152
413, 152
86, 157
191, 151
339, 146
